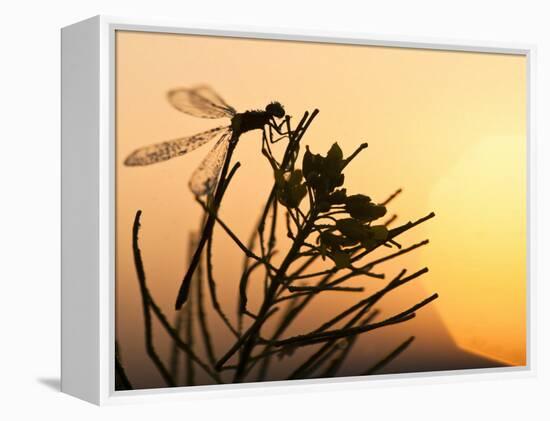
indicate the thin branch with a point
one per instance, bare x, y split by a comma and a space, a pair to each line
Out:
311, 290
242, 339
243, 285
405, 227
296, 295
121, 378
335, 364
354, 272
272, 239
189, 336
354, 154
174, 354
212, 287
265, 357
149, 303
146, 304
393, 255
392, 196
392, 233
314, 360
245, 273
391, 356
390, 220
323, 288
178, 322
183, 291
303, 267
316, 337
371, 300
293, 140
203, 322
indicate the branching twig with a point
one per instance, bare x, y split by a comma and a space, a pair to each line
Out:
316, 337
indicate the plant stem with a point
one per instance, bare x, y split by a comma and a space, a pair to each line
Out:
269, 298
183, 292
121, 379
149, 345
149, 304
391, 356
316, 337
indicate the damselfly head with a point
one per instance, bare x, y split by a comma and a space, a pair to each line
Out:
275, 109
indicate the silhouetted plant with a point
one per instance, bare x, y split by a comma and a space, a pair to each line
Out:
323, 221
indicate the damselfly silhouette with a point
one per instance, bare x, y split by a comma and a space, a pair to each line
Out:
209, 177
205, 103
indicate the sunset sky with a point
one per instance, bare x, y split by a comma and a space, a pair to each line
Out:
449, 128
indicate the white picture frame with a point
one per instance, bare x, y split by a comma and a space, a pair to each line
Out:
88, 196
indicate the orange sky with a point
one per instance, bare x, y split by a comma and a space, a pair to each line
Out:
447, 127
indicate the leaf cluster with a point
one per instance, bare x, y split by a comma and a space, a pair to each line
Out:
323, 177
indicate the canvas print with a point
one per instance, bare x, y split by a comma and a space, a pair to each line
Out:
298, 210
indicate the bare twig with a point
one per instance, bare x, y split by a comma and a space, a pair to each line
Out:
203, 322
242, 339
323, 288
212, 288
354, 154
183, 292
390, 220
391, 356
146, 303
189, 336
392, 196
121, 379
149, 304
316, 337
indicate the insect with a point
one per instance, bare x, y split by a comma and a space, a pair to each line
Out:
203, 102
209, 177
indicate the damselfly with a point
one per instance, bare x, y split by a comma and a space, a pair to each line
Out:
209, 177
205, 103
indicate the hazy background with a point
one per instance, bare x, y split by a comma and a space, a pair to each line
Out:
447, 127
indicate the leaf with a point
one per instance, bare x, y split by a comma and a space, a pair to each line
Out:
351, 228
341, 259
323, 206
360, 207
330, 240
339, 181
296, 194
337, 197
335, 154
379, 232
377, 211
307, 162
323, 250
290, 189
